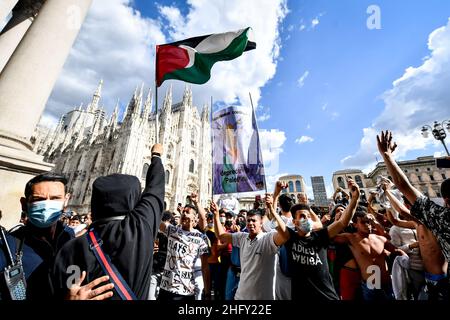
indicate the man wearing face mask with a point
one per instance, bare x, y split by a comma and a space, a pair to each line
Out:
44, 202
307, 251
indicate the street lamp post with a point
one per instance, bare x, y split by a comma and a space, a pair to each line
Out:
438, 132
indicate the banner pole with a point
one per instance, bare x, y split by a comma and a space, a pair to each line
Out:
257, 132
212, 156
156, 96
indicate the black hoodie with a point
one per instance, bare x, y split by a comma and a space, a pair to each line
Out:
128, 242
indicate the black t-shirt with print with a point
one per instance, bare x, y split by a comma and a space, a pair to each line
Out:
311, 279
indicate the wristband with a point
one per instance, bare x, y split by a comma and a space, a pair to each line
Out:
156, 154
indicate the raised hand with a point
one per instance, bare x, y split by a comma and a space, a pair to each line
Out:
269, 200
87, 292
194, 197
384, 142
354, 188
158, 148
213, 208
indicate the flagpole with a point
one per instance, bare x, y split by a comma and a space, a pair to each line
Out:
212, 156
156, 95
257, 131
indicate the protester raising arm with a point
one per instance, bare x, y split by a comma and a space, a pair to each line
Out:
282, 234
220, 231
202, 223
386, 147
398, 206
337, 226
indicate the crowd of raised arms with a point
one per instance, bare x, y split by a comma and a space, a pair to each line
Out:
129, 248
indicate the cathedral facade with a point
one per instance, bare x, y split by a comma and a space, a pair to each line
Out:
85, 145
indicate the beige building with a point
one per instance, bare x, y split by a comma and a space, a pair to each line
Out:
421, 172
296, 184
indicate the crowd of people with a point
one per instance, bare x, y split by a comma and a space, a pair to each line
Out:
129, 247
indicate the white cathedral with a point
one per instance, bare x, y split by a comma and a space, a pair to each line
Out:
84, 146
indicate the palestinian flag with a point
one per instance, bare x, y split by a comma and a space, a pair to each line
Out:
191, 60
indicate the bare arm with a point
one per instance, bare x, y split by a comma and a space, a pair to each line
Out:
282, 234
223, 236
399, 207
386, 148
276, 193
317, 224
206, 275
202, 223
337, 226
400, 223
342, 238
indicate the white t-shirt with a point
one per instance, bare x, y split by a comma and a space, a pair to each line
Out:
184, 248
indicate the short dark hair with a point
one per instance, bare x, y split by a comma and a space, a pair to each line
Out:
445, 189
47, 176
299, 206
191, 207
255, 212
359, 214
167, 216
75, 217
286, 202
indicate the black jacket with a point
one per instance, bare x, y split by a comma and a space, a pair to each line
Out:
39, 282
128, 242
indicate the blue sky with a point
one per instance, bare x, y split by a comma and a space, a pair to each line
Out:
323, 82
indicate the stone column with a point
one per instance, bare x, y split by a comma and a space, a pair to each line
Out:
23, 15
5, 8
26, 83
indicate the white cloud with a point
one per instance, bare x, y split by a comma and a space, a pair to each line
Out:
314, 22
272, 145
290, 28
304, 139
418, 97
302, 27
253, 69
308, 126
117, 43
301, 80
324, 106
263, 117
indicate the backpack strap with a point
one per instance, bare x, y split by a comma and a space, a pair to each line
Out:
120, 285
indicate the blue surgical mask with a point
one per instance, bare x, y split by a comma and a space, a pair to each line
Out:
306, 225
43, 214
210, 225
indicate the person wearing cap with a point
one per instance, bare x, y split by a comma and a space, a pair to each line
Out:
126, 221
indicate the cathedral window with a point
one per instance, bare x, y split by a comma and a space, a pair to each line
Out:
341, 182
191, 166
359, 181
291, 186
193, 134
167, 176
169, 152
298, 186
